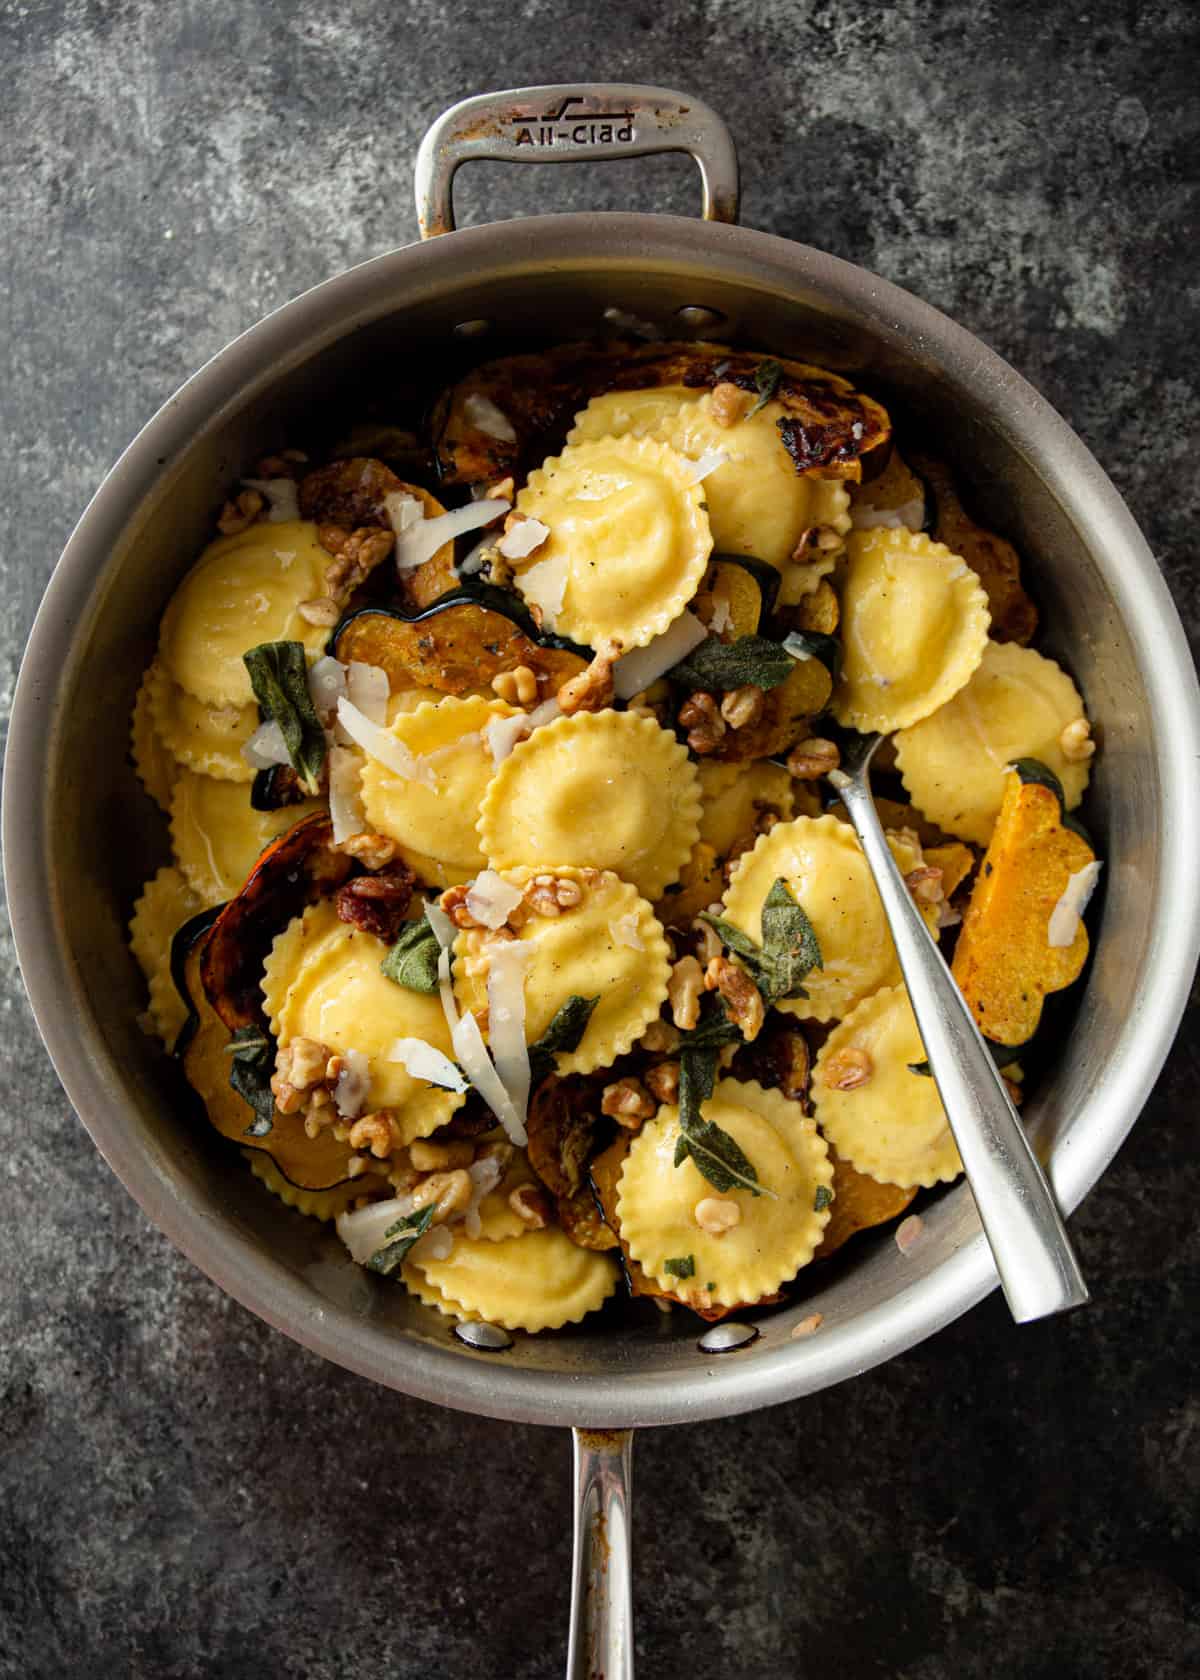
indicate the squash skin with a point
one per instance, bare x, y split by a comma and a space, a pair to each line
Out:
1003, 963
994, 561
539, 395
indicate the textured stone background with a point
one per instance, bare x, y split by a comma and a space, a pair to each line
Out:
183, 1493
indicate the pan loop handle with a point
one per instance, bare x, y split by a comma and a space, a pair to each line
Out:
601, 1578
570, 123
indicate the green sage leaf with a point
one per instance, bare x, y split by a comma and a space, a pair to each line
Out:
413, 959
822, 1198
718, 665
250, 1070
718, 1157
790, 949
766, 382
564, 1035
682, 1267
279, 678
405, 1233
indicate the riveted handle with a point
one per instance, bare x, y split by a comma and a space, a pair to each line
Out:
570, 123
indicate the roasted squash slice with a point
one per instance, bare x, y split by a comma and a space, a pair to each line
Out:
351, 493
787, 715
562, 1132
735, 596
457, 646
818, 613
827, 426
994, 561
859, 1203
1004, 962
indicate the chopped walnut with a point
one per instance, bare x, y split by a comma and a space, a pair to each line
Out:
1076, 742
357, 1165
627, 1101
357, 557
729, 403
592, 689
809, 760
302, 1062
742, 998
716, 1214
502, 491
239, 514
828, 540
377, 903
451, 1192
322, 609
708, 943
743, 706
429, 1157
684, 989
454, 903
662, 1081
373, 851
531, 1205
925, 884
1015, 1094
518, 688
847, 1069
700, 716
377, 1132
659, 1036
550, 895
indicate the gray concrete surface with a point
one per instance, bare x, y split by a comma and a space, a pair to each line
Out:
182, 1492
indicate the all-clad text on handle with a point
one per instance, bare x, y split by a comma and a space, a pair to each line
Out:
569, 123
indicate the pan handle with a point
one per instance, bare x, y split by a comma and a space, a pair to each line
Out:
570, 123
601, 1646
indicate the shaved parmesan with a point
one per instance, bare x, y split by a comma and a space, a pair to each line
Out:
481, 412
436, 1244
352, 1083
491, 899
722, 616
625, 930
403, 511
282, 497
522, 539
420, 540
474, 561
545, 584
345, 797
426, 1061
507, 963
444, 929
484, 1174
795, 645
637, 670
326, 684
707, 463
1067, 913
469, 1047
266, 747
363, 1231
910, 515
367, 687
503, 733
378, 744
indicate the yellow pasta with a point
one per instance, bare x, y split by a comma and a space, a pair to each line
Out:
891, 1124
155, 766
208, 739
629, 540
243, 590
322, 980
1016, 705
823, 865
661, 1207
607, 789
539, 1281
218, 836
647, 413
736, 797
608, 946
165, 904
433, 820
914, 627
325, 1205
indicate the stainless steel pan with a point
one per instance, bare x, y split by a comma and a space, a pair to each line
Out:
78, 838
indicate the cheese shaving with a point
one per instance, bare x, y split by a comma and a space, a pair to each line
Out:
491, 899
426, 1061
345, 798
282, 498
352, 1083
469, 1047
326, 684
909, 515
444, 929
266, 747
524, 537
707, 463
481, 412
625, 931
1068, 912
484, 1174
545, 584
502, 733
367, 687
420, 540
378, 744
363, 1230
506, 1019
637, 670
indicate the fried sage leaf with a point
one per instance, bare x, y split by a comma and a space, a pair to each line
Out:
718, 1157
279, 678
413, 959
403, 1234
789, 952
718, 665
564, 1034
766, 382
253, 1063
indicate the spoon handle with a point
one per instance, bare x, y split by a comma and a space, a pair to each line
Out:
1038, 1270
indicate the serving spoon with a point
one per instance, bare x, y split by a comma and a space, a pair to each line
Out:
1038, 1269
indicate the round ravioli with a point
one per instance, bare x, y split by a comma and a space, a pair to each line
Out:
736, 797
165, 904
166, 1008
611, 790
609, 947
433, 818
156, 767
629, 540
205, 738
243, 590
914, 626
322, 980
538, 1281
774, 1234
891, 1125
1016, 705
317, 1204
823, 865
218, 836
649, 413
